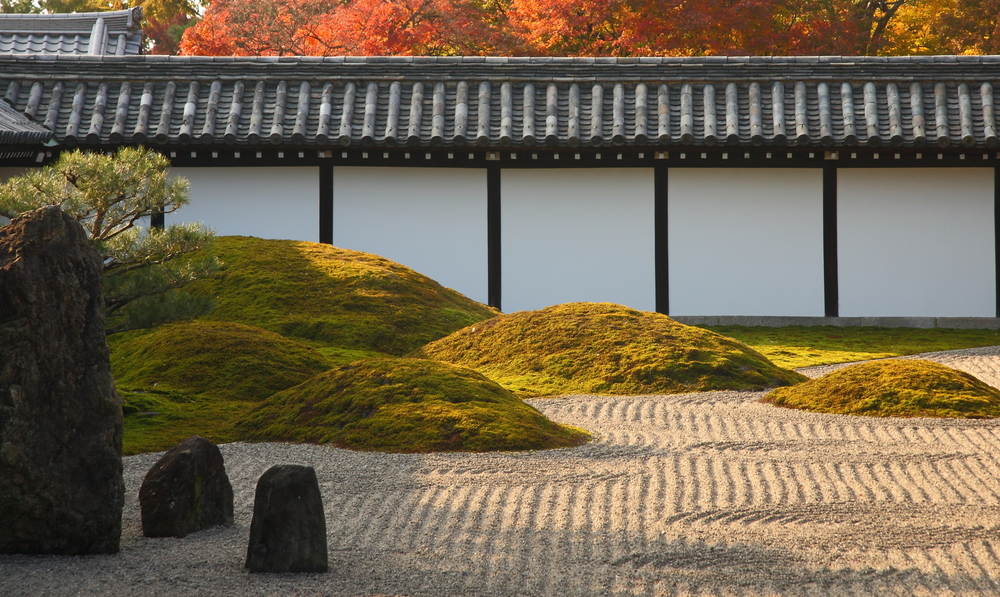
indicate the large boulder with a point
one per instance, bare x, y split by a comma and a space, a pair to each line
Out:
61, 488
288, 530
187, 490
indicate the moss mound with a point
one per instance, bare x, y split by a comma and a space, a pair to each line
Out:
222, 360
404, 405
894, 388
601, 348
333, 297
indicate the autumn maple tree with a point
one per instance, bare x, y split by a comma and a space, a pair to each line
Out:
580, 27
558, 27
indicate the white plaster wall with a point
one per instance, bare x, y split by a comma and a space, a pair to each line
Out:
577, 235
746, 241
268, 202
432, 220
7, 173
916, 242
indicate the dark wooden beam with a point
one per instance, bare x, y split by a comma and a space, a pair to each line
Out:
661, 252
326, 204
493, 266
831, 281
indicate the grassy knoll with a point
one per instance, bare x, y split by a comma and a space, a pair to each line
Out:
404, 405
224, 360
797, 346
158, 420
342, 302
196, 377
603, 348
893, 388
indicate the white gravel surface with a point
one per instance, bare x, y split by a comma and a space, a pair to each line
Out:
696, 494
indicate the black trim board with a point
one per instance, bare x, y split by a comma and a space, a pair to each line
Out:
660, 238
326, 204
831, 280
996, 234
677, 156
493, 248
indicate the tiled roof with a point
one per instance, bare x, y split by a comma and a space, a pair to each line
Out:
496, 102
16, 129
114, 33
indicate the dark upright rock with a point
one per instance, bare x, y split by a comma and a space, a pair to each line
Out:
288, 531
187, 490
61, 488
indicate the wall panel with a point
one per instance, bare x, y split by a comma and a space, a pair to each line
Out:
430, 219
267, 202
577, 235
746, 241
916, 242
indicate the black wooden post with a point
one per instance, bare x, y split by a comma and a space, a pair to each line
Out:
493, 235
831, 283
661, 252
326, 204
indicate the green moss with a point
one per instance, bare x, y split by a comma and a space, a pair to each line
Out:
601, 348
332, 297
798, 346
404, 405
222, 360
158, 420
893, 388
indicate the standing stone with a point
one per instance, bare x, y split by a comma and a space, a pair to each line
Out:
288, 531
187, 490
61, 488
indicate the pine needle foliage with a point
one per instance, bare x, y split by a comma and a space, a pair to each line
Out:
113, 197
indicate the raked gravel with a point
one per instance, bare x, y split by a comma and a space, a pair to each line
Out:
694, 494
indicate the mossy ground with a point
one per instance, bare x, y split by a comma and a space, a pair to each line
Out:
335, 299
601, 348
893, 388
197, 377
286, 310
158, 420
404, 405
806, 346
217, 359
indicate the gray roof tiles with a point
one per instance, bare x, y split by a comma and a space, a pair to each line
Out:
17, 129
114, 33
501, 102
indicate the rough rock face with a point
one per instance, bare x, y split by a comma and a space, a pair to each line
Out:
288, 531
187, 490
61, 488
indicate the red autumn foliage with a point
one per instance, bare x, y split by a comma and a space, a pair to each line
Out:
545, 27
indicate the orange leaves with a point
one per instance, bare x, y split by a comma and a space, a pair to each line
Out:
580, 27
355, 27
567, 27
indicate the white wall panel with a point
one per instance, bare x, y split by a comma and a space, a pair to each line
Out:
916, 242
577, 235
746, 241
263, 202
7, 173
430, 219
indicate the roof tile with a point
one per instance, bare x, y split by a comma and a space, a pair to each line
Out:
708, 100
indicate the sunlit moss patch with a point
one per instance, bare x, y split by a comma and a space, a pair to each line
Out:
404, 405
893, 388
217, 359
602, 348
333, 297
